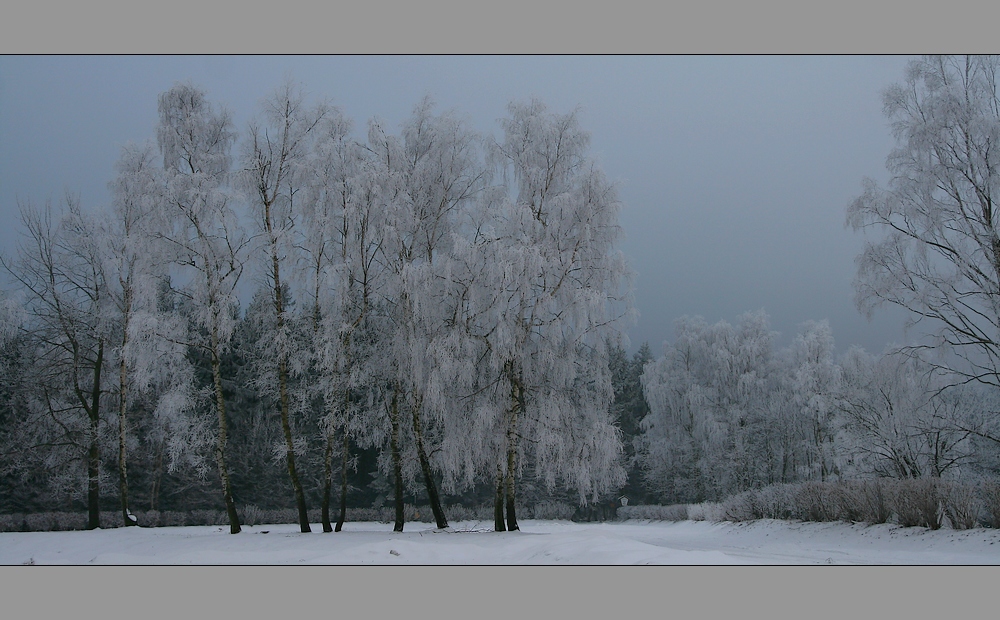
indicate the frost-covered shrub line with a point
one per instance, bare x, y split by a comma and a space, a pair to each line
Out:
706, 511
924, 502
674, 512
252, 515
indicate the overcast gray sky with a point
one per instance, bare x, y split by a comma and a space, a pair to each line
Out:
734, 171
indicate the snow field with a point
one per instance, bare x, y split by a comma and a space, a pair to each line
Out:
538, 543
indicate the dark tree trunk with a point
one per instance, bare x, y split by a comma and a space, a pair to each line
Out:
425, 468
300, 496
94, 453
512, 456
93, 480
279, 302
345, 458
511, 515
327, 482
397, 462
127, 517
220, 447
498, 523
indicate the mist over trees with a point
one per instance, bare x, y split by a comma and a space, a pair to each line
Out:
434, 317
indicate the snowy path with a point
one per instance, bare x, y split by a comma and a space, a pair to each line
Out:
539, 542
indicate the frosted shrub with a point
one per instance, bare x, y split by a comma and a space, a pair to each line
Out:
850, 499
418, 513
674, 512
62, 521
112, 519
279, 515
904, 505
808, 501
11, 522
961, 504
774, 502
991, 501
363, 514
738, 507
38, 522
918, 503
553, 510
876, 499
173, 518
207, 517
251, 514
929, 501
386, 514
474, 513
922, 502
47, 522
816, 501
707, 511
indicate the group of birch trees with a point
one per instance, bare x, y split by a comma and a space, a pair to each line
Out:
443, 297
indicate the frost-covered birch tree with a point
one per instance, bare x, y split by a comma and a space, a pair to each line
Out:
558, 290
385, 164
333, 187
439, 172
274, 173
204, 237
135, 270
346, 260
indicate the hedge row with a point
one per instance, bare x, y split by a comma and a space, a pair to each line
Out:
251, 515
925, 502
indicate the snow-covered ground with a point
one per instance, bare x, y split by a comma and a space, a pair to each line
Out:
538, 542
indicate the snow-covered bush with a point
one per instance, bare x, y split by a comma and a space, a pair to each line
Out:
961, 504
207, 517
848, 499
706, 511
674, 512
251, 514
918, 503
473, 513
923, 502
43, 522
775, 502
11, 522
875, 498
827, 501
553, 510
991, 502
739, 507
